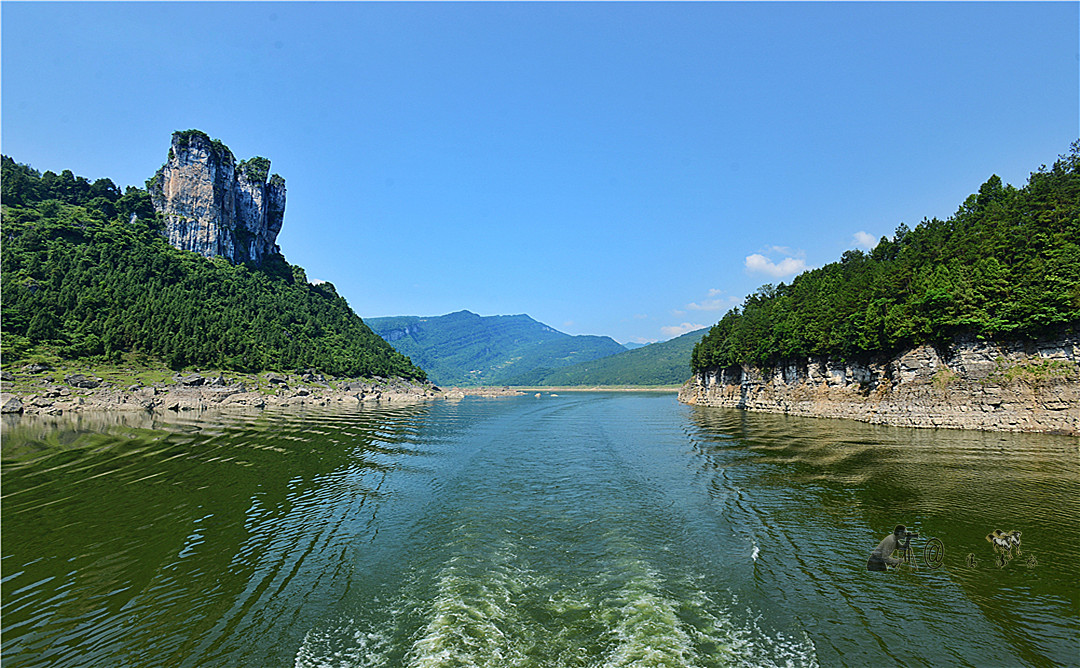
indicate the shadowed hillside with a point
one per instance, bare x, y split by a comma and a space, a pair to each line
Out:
466, 349
666, 363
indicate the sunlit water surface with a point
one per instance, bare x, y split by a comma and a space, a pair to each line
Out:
580, 530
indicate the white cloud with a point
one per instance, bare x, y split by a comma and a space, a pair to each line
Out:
713, 302
710, 305
707, 305
864, 240
642, 340
789, 266
676, 330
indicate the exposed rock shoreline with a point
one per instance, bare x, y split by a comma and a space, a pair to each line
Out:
22, 393
489, 392
40, 389
1031, 386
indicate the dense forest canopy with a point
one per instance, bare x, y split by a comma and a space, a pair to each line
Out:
87, 273
1005, 265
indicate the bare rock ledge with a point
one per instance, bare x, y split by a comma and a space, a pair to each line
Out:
1030, 386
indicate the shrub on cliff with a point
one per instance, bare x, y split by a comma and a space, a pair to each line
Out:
256, 169
1005, 265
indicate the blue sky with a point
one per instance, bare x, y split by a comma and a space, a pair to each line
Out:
631, 170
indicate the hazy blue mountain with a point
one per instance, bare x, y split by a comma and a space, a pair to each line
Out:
666, 363
466, 349
630, 345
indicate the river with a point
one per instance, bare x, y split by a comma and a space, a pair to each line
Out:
588, 529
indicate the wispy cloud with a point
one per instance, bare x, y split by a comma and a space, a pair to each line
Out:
677, 330
714, 302
710, 305
788, 266
864, 240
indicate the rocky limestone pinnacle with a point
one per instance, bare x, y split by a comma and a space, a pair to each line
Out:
214, 205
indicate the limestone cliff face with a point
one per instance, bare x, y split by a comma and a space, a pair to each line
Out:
215, 206
1021, 386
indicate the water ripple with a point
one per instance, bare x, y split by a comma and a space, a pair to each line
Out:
588, 530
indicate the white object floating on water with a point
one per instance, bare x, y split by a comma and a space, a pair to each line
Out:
754, 554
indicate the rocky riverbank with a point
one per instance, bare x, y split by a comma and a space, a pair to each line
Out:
1030, 386
489, 392
41, 389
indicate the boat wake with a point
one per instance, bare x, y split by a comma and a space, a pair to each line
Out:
504, 614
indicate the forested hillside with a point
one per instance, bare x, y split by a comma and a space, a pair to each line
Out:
1005, 265
666, 363
87, 274
467, 349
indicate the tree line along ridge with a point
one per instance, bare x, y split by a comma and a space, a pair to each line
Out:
1005, 266
88, 274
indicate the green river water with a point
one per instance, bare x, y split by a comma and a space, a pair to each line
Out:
588, 529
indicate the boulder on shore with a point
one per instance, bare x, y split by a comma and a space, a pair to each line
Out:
9, 403
82, 381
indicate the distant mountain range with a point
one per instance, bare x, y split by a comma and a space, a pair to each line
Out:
666, 363
466, 349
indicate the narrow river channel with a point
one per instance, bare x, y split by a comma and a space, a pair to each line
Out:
588, 529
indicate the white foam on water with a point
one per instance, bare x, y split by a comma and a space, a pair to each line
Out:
492, 611
470, 623
644, 627
739, 640
343, 646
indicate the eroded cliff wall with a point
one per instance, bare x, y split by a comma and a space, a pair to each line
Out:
215, 206
1029, 386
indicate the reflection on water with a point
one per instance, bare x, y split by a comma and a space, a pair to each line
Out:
589, 530
816, 488
183, 530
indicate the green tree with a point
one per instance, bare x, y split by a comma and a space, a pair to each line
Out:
1006, 264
